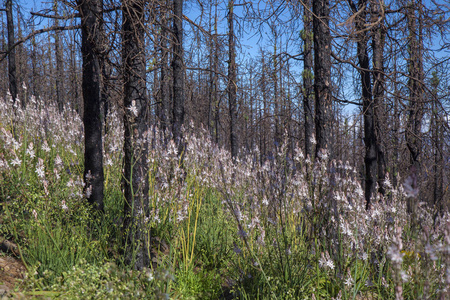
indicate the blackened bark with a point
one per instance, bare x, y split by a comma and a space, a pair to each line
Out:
135, 178
105, 72
59, 64
90, 11
396, 130
438, 145
216, 79
178, 72
378, 40
370, 158
164, 101
322, 74
263, 86
232, 85
12, 51
415, 83
308, 87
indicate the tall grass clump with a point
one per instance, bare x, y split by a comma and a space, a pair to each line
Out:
290, 227
41, 189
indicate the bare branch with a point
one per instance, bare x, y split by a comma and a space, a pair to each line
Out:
4, 54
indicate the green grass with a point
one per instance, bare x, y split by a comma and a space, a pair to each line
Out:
250, 233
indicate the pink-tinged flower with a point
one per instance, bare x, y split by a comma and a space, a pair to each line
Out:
16, 161
35, 214
30, 150
89, 191
58, 161
45, 147
3, 164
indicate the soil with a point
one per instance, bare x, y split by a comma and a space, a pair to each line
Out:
11, 269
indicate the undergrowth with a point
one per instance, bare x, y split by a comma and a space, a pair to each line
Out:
290, 228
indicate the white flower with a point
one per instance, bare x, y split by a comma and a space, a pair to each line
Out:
89, 192
349, 281
387, 182
150, 276
45, 147
40, 171
133, 108
63, 205
330, 264
395, 255
405, 277
16, 161
364, 256
30, 150
58, 161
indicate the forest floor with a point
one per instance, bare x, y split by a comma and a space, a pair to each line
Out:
11, 268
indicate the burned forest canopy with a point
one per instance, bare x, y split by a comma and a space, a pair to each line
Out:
364, 82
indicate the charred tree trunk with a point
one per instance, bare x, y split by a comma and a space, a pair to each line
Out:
135, 180
308, 88
370, 158
59, 64
378, 40
90, 11
216, 79
232, 85
322, 74
178, 72
12, 51
415, 83
163, 99
436, 136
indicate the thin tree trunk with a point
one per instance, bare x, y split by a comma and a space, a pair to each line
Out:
178, 73
415, 66
232, 84
164, 101
264, 118
59, 63
438, 166
90, 11
370, 158
378, 39
308, 96
216, 79
276, 98
21, 64
12, 51
322, 74
135, 180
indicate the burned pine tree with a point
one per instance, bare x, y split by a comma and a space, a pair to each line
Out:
90, 12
